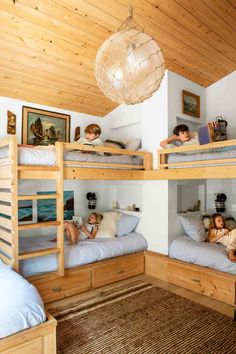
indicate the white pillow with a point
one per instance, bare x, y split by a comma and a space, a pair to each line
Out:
133, 144
108, 226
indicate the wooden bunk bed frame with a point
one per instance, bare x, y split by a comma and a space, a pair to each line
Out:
52, 286
216, 285
39, 339
220, 168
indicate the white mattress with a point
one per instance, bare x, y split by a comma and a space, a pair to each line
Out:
47, 157
21, 306
85, 252
211, 255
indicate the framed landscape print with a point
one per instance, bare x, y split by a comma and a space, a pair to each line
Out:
191, 104
40, 127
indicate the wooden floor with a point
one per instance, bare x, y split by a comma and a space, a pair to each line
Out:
204, 300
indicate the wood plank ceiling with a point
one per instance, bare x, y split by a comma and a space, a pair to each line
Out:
48, 47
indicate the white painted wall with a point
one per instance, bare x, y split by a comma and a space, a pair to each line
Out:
221, 100
15, 106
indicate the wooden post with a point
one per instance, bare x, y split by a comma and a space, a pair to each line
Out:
148, 157
60, 206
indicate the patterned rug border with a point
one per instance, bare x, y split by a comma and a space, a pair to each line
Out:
103, 298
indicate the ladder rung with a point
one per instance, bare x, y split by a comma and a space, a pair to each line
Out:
39, 225
39, 253
40, 196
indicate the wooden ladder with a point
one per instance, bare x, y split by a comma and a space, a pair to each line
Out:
9, 234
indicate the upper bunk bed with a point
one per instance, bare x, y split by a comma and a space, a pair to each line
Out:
74, 161
209, 161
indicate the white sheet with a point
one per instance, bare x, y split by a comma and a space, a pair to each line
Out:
211, 255
21, 306
85, 252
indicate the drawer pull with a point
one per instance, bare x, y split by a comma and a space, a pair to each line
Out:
57, 289
121, 271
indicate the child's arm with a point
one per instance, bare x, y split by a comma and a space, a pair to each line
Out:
90, 234
169, 140
214, 235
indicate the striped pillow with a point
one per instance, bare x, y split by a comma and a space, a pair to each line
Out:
115, 144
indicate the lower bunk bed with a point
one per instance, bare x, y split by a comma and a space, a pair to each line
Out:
198, 266
89, 264
24, 325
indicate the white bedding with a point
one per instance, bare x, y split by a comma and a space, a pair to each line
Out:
85, 252
21, 306
211, 255
47, 157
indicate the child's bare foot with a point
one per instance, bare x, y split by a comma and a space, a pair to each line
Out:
71, 243
232, 256
54, 240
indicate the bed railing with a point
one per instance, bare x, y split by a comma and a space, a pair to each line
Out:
193, 149
145, 165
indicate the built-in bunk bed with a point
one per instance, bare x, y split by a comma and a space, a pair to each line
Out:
194, 263
64, 162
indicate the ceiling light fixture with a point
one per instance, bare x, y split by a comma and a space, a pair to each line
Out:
129, 65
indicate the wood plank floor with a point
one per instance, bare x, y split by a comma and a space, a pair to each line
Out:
204, 300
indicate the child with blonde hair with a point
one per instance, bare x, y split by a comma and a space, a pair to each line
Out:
218, 232
74, 233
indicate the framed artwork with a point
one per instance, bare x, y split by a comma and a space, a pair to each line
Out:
40, 127
191, 104
25, 210
11, 123
46, 208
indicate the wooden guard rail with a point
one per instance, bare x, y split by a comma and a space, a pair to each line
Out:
163, 155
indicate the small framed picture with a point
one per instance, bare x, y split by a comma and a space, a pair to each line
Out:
11, 123
191, 104
40, 127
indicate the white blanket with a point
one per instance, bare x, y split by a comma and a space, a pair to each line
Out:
21, 306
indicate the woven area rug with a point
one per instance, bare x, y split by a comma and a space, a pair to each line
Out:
143, 319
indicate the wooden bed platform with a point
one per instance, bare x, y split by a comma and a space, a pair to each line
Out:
170, 171
83, 278
40, 339
217, 285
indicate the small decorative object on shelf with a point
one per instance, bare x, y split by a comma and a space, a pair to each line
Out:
113, 204
117, 204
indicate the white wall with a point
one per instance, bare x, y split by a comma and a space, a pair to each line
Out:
15, 106
221, 100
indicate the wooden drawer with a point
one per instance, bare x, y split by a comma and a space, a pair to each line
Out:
117, 269
53, 288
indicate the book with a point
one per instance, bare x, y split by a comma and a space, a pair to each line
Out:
77, 220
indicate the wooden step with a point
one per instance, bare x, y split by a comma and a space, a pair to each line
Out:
39, 225
40, 196
38, 253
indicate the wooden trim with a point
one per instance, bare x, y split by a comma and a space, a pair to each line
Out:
39, 253
212, 283
38, 225
5, 259
6, 235
42, 336
7, 223
6, 197
101, 174
37, 197
5, 209
5, 172
6, 248
100, 164
5, 161
6, 183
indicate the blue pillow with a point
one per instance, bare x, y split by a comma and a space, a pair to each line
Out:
126, 224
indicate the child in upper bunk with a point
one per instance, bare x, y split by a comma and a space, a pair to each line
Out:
92, 133
181, 137
75, 232
219, 233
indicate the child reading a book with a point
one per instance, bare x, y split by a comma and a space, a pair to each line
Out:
76, 232
92, 133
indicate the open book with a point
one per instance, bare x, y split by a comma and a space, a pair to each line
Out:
77, 220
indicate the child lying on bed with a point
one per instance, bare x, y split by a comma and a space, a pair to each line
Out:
92, 133
75, 232
181, 137
218, 232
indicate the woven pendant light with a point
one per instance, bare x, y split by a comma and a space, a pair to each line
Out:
129, 65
